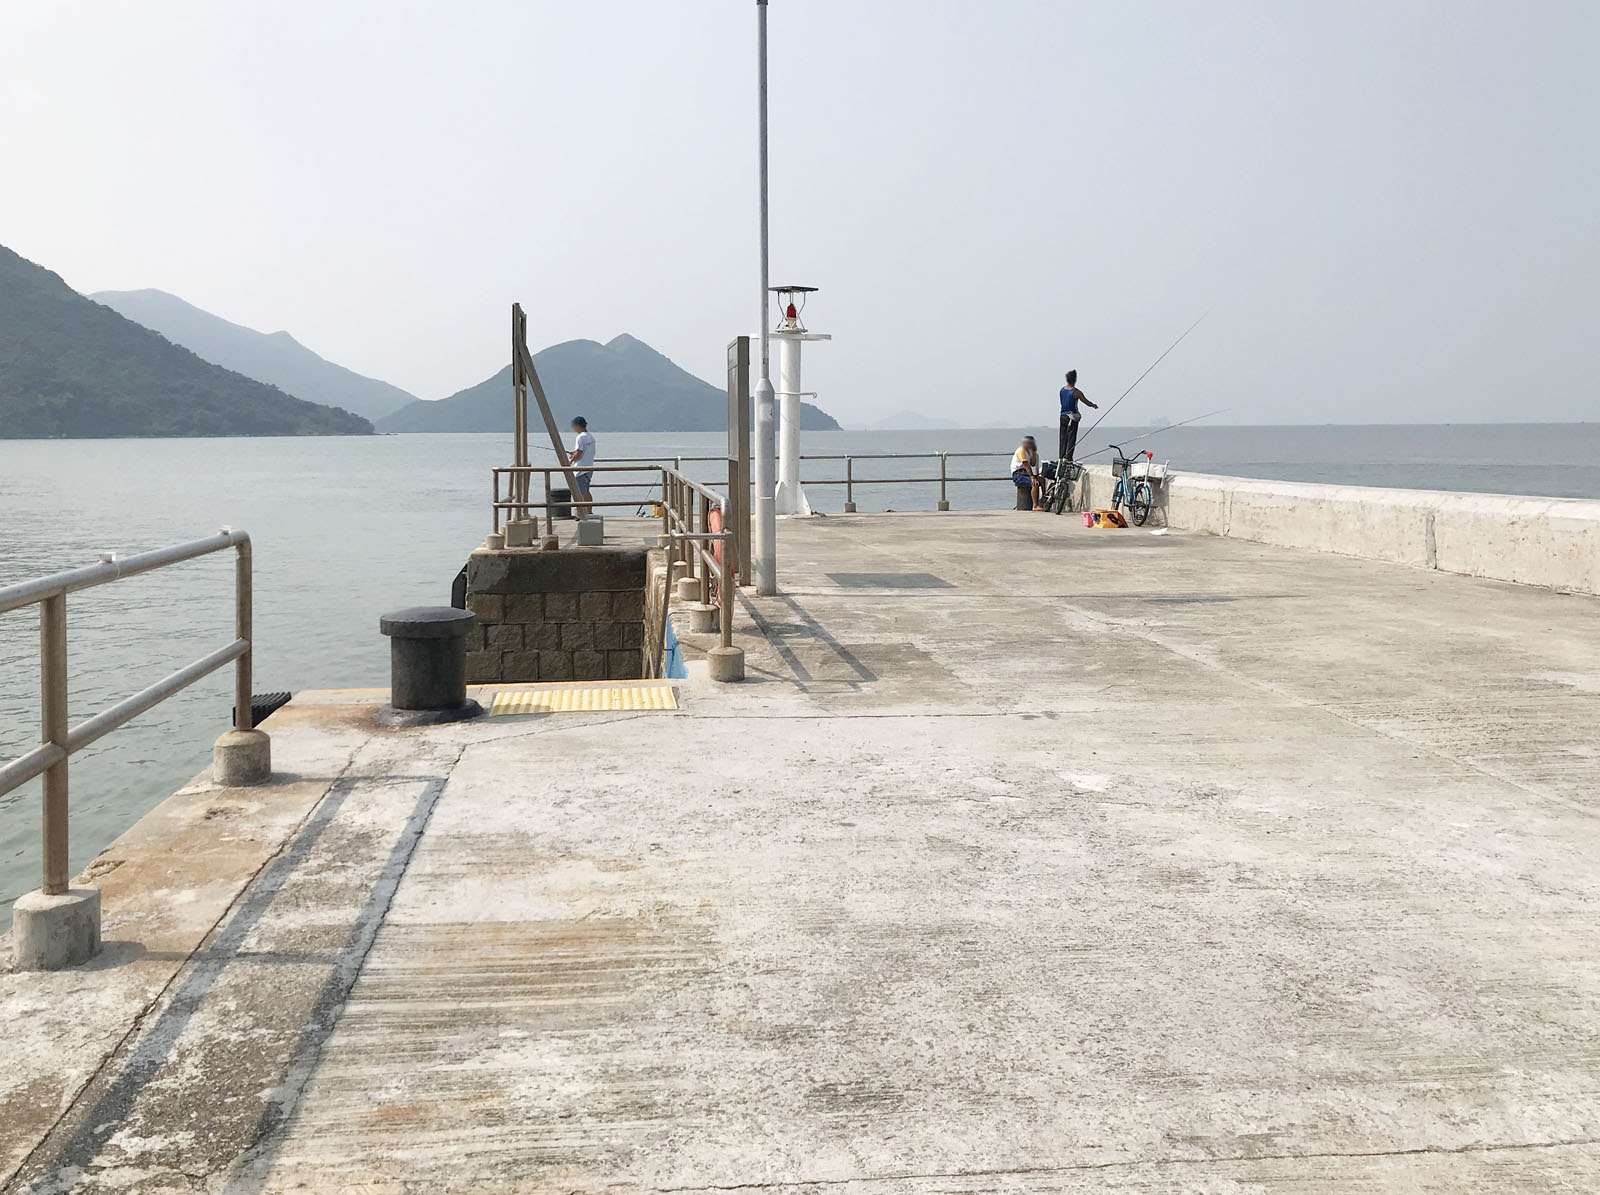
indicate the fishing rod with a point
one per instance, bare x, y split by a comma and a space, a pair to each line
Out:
649, 494
1142, 376
1156, 432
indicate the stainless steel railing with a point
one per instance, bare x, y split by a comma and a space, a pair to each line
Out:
686, 523
849, 481
58, 741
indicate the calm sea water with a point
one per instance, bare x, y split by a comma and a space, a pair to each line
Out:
347, 528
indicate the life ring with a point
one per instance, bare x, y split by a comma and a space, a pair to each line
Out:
714, 525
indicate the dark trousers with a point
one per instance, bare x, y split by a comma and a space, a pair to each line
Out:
1069, 436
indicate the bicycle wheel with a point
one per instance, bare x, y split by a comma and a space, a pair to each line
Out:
1139, 505
1060, 495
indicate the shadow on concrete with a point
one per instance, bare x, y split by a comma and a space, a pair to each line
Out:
784, 637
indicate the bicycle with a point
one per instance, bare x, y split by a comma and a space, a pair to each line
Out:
1135, 491
1065, 477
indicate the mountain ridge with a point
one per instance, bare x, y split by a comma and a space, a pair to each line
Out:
623, 385
71, 367
275, 358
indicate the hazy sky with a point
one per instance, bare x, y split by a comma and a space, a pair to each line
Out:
1391, 206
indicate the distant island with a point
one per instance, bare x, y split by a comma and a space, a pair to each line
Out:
622, 385
276, 358
902, 421
70, 367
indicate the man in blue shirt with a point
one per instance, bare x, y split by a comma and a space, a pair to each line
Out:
1071, 396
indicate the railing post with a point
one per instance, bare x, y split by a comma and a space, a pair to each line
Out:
243, 611
725, 662
702, 520
666, 515
944, 499
242, 756
549, 515
54, 729
494, 508
725, 589
849, 486
730, 520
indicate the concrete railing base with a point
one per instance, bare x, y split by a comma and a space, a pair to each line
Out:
704, 620
519, 533
688, 589
49, 933
241, 758
591, 533
726, 664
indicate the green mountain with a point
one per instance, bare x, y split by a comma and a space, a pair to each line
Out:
621, 386
275, 358
70, 367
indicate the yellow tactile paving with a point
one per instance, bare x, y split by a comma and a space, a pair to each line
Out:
584, 700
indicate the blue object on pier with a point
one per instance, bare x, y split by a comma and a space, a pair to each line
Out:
672, 660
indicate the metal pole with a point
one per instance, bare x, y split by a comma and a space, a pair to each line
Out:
701, 569
54, 729
849, 487
765, 531
790, 500
725, 587
243, 598
944, 498
730, 521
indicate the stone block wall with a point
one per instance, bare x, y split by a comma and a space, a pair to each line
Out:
574, 614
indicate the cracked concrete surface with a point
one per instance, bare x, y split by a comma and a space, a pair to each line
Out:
1116, 862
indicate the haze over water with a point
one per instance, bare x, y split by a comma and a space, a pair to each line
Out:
346, 528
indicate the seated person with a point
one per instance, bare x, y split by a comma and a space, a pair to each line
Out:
1025, 472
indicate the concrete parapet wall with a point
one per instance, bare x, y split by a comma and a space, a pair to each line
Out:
576, 614
1553, 542
656, 601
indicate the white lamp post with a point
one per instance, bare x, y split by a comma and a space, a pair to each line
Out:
791, 333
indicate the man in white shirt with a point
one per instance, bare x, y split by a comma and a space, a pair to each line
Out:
582, 455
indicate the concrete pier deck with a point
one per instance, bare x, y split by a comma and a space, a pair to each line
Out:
1029, 858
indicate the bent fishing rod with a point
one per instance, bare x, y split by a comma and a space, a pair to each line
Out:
1146, 373
1155, 432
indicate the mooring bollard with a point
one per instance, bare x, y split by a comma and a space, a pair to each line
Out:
427, 666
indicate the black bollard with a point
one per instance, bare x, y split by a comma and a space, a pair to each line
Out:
427, 666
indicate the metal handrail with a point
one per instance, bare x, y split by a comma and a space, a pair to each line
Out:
59, 741
894, 456
849, 481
